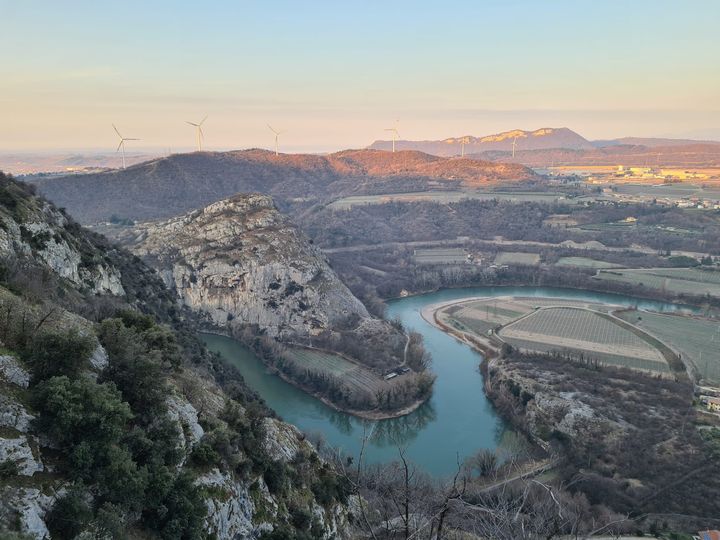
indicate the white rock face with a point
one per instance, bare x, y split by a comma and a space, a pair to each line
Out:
28, 506
13, 414
282, 441
18, 450
11, 371
186, 416
41, 236
99, 358
240, 259
230, 510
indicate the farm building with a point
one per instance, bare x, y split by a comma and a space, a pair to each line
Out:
712, 403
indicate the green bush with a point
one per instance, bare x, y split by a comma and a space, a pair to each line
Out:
53, 354
69, 516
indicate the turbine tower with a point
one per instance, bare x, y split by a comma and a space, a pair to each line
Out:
514, 143
463, 142
200, 134
395, 133
121, 146
277, 137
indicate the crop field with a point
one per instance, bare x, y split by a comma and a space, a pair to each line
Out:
689, 281
516, 257
482, 315
444, 197
353, 375
585, 262
440, 256
696, 339
582, 332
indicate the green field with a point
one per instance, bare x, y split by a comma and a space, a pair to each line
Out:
580, 332
516, 257
696, 339
440, 256
350, 373
585, 262
691, 281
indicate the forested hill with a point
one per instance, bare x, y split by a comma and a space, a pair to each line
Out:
115, 421
170, 186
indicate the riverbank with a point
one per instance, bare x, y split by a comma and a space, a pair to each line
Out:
371, 414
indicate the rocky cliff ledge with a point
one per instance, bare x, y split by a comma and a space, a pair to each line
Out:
241, 260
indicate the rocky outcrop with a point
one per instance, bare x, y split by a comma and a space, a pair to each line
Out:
42, 234
241, 261
12, 372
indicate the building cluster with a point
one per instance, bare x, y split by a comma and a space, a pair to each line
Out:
658, 174
703, 203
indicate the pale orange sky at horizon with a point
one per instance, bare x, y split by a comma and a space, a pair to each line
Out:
334, 76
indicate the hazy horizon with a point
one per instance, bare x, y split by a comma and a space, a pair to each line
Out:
334, 79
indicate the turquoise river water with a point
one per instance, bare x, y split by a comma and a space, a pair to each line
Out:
456, 422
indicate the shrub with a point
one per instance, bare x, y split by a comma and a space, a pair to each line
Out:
69, 515
52, 354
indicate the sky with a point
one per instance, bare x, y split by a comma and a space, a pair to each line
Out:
334, 74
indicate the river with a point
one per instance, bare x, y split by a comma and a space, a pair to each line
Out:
456, 422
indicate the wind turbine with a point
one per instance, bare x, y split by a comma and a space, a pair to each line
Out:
200, 134
277, 137
395, 133
121, 146
514, 143
463, 142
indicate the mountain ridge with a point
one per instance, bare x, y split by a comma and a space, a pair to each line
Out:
173, 185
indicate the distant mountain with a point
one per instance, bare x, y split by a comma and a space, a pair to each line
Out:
525, 140
30, 163
650, 142
698, 155
170, 186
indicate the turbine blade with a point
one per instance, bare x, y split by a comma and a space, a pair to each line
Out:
202, 135
203, 120
191, 123
116, 131
271, 129
119, 145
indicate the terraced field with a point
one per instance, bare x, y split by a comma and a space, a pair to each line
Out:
352, 374
691, 281
585, 262
695, 338
516, 257
440, 256
580, 332
446, 197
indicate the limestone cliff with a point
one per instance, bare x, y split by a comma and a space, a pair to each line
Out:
241, 260
71, 328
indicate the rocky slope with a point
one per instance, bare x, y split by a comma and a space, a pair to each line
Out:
113, 422
171, 186
241, 261
628, 434
242, 264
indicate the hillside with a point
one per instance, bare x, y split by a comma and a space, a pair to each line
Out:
248, 271
700, 155
115, 421
525, 140
171, 186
